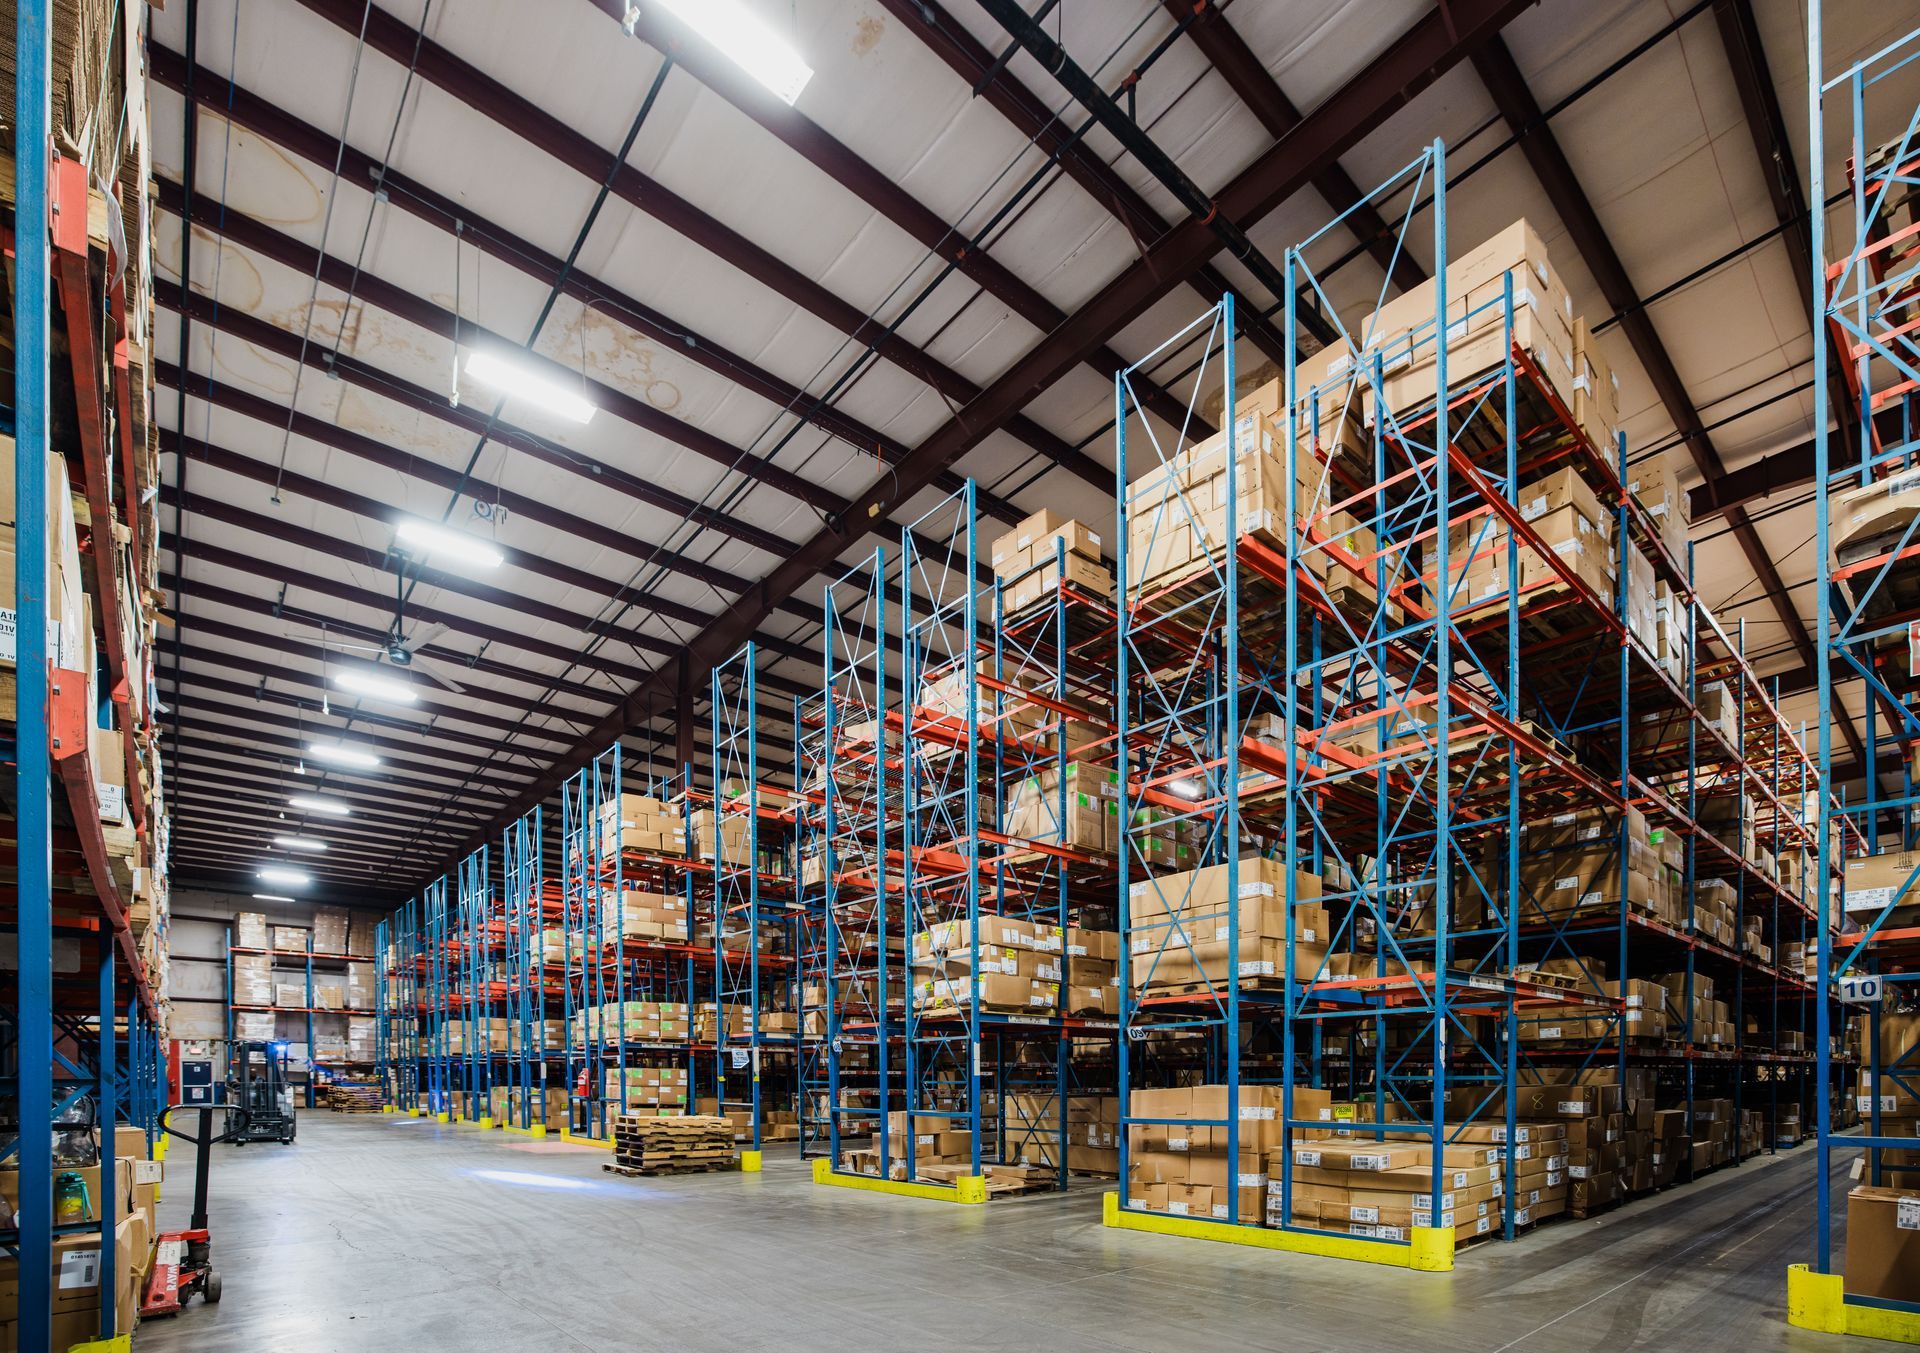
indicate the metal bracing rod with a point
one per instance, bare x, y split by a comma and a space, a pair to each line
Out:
1087, 91
1433, 46
1214, 34
989, 79
1550, 165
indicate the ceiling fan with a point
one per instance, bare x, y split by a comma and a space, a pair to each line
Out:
400, 650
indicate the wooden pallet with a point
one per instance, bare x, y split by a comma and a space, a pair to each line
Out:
677, 1167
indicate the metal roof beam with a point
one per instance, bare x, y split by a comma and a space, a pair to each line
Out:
978, 68
383, 514
322, 149
837, 161
1220, 42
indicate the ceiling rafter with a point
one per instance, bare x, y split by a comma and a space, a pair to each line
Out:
990, 79
397, 41
257, 115
1227, 52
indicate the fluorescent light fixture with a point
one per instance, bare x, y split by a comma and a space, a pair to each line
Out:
742, 36
375, 685
444, 541
299, 843
273, 897
1186, 789
342, 755
520, 381
312, 803
275, 874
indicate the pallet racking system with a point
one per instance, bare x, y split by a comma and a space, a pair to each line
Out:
1865, 509
924, 884
307, 962
84, 995
1451, 782
608, 964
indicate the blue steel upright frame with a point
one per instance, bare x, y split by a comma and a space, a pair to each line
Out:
753, 904
1868, 552
530, 1051
857, 768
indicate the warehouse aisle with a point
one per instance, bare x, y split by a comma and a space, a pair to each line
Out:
381, 1233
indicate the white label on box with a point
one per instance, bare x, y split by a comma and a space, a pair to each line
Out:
1906, 1214
79, 1269
1370, 1161
1256, 1113
1576, 1107
1369, 1214
1252, 1181
1578, 1171
1867, 899
1305, 1157
1570, 881
1178, 1143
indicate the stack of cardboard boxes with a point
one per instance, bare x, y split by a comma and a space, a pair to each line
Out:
640, 822
1035, 557
1567, 516
1181, 1148
1084, 814
631, 1022
1007, 972
1183, 934
643, 915
77, 1297
329, 931
648, 1089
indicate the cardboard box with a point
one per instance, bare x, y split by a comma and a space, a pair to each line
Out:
1883, 1243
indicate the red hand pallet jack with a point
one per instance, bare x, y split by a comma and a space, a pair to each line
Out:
183, 1260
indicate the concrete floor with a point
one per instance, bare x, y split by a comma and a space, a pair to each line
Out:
378, 1232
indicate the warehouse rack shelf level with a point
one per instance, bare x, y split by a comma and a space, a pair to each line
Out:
1868, 590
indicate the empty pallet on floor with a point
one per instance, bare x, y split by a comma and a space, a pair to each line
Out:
680, 1144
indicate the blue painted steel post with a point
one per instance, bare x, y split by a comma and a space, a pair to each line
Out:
1443, 671
104, 1104
1823, 627
33, 1028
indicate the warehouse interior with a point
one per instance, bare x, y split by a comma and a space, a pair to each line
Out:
1169, 671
